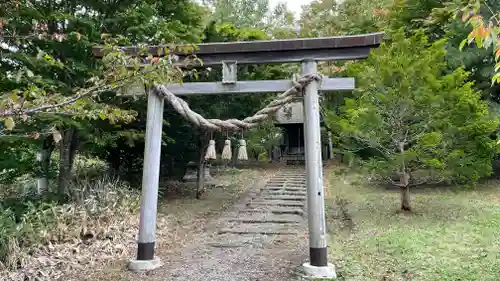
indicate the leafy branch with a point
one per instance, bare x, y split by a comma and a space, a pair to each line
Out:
120, 71
485, 31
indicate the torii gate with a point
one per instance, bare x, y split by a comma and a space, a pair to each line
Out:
306, 51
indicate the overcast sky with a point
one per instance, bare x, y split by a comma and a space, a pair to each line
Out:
293, 5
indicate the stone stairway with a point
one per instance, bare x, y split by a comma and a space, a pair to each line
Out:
278, 209
263, 237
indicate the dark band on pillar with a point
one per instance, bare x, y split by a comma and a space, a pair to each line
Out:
145, 251
318, 256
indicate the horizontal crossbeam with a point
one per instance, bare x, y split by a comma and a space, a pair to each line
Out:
288, 56
244, 87
271, 51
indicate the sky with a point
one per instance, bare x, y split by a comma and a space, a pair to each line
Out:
293, 5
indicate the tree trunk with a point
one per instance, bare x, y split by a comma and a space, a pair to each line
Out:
67, 150
271, 154
43, 158
404, 181
114, 160
405, 192
330, 146
234, 159
255, 154
405, 199
200, 179
200, 175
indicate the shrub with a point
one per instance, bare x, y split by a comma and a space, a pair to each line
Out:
427, 126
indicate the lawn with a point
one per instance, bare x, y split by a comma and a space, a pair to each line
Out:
452, 235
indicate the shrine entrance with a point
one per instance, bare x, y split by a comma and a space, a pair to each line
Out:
306, 51
290, 119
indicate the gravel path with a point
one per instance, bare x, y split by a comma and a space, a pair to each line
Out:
262, 237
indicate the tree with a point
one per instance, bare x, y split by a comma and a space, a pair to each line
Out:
52, 85
281, 22
329, 18
241, 13
278, 22
151, 22
483, 17
445, 19
50, 81
319, 19
425, 126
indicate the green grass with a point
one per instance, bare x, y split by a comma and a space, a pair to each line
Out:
450, 235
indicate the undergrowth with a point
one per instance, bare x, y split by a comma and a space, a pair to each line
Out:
29, 221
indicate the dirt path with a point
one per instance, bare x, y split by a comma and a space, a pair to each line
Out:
263, 236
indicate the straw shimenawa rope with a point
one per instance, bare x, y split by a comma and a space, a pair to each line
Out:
182, 107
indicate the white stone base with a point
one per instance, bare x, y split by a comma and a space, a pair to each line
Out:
137, 265
322, 272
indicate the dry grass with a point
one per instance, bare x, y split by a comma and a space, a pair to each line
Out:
180, 221
452, 235
52, 238
92, 237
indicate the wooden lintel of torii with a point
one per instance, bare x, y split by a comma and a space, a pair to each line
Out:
243, 87
296, 50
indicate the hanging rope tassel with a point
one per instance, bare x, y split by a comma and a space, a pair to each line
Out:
211, 151
242, 150
226, 152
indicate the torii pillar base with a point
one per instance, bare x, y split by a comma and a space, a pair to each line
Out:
319, 272
144, 265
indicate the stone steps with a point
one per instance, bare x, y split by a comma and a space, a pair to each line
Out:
280, 203
283, 193
277, 210
257, 228
287, 179
276, 219
291, 189
284, 197
286, 182
239, 240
